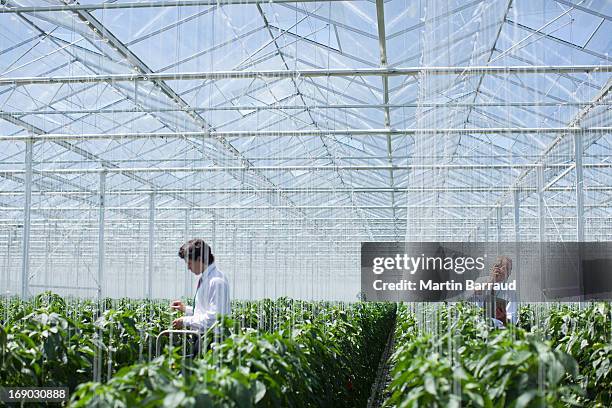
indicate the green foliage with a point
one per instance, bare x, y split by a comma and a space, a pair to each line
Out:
44, 349
309, 354
463, 362
270, 353
586, 334
325, 361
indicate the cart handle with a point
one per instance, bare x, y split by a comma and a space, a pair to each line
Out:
169, 333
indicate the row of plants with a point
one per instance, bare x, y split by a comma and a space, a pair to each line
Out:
456, 359
586, 334
327, 361
45, 338
319, 352
47, 341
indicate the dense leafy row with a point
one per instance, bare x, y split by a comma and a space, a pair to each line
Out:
586, 334
45, 338
46, 342
328, 361
456, 359
271, 353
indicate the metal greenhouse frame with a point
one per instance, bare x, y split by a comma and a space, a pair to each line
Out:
287, 132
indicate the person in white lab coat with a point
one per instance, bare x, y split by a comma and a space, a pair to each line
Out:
506, 306
212, 293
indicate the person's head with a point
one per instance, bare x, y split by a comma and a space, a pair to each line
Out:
197, 254
501, 269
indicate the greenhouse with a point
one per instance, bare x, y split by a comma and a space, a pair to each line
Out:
371, 203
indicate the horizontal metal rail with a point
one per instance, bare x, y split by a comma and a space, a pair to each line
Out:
64, 287
307, 191
296, 229
309, 73
215, 169
284, 207
144, 4
304, 133
299, 107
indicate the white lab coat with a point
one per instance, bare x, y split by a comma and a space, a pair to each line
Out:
508, 295
511, 306
211, 298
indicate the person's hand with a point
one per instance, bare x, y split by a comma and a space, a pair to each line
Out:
177, 324
177, 305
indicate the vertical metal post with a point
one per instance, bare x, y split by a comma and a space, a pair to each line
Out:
486, 229
47, 251
101, 254
234, 262
151, 245
517, 203
186, 238
214, 233
77, 260
251, 266
542, 226
498, 219
517, 233
7, 273
578, 151
25, 247
541, 210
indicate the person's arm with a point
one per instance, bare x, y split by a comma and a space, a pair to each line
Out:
498, 324
217, 294
512, 311
180, 306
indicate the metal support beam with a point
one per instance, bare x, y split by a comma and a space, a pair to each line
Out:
101, 243
25, 246
300, 190
287, 207
47, 253
304, 133
214, 231
541, 209
541, 224
309, 73
277, 106
299, 93
220, 145
251, 266
382, 44
517, 224
588, 10
498, 222
151, 254
7, 259
578, 151
492, 50
517, 234
34, 130
215, 169
573, 123
454, 224
120, 224
186, 237
559, 176
141, 4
